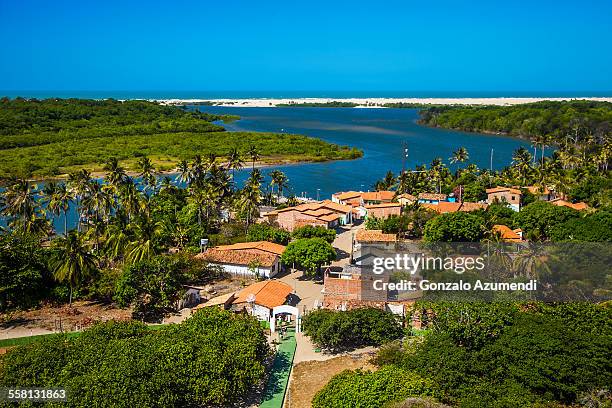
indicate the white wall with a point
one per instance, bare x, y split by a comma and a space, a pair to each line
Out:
244, 270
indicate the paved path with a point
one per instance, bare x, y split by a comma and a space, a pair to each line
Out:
276, 387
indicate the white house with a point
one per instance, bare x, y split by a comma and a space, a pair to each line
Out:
260, 258
268, 300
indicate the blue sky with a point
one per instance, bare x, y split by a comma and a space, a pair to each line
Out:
482, 45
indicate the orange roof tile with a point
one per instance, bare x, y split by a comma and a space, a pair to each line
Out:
347, 195
364, 235
576, 206
407, 196
506, 233
378, 195
329, 217
443, 207
268, 293
245, 257
383, 205
468, 206
264, 246
499, 189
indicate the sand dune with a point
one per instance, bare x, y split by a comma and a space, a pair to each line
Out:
374, 102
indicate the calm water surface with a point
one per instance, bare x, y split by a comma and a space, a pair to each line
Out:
380, 133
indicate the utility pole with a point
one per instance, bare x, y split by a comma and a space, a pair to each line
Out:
405, 157
491, 168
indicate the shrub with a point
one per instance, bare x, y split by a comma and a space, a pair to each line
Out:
308, 231
454, 227
365, 389
267, 232
355, 328
213, 358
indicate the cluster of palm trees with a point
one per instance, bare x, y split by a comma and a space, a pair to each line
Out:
567, 166
127, 219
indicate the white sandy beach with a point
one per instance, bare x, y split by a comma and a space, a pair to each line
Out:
374, 102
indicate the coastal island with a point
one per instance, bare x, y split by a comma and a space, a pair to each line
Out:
52, 137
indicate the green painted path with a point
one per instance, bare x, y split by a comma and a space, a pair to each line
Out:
276, 387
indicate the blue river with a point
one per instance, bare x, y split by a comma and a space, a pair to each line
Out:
380, 133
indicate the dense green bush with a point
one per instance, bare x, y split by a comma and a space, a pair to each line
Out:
514, 355
454, 227
595, 227
308, 231
267, 232
24, 273
538, 219
213, 358
154, 285
365, 389
351, 329
309, 254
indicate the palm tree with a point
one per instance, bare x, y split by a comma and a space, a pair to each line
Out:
116, 238
521, 161
115, 174
147, 173
72, 260
19, 200
387, 183
248, 203
234, 161
253, 153
142, 245
184, 172
280, 180
62, 199
460, 155
79, 184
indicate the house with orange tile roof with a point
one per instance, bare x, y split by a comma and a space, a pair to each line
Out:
542, 193
446, 207
352, 198
261, 298
432, 198
327, 214
383, 210
510, 195
507, 234
260, 258
576, 206
374, 238
377, 197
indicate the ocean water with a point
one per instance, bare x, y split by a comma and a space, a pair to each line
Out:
380, 133
234, 94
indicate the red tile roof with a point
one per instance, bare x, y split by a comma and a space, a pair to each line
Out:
576, 206
378, 196
432, 196
364, 235
268, 293
506, 233
244, 257
263, 246
503, 189
383, 205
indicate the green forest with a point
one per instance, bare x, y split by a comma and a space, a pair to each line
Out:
552, 121
51, 137
486, 355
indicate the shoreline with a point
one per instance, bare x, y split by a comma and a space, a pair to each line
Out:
372, 102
